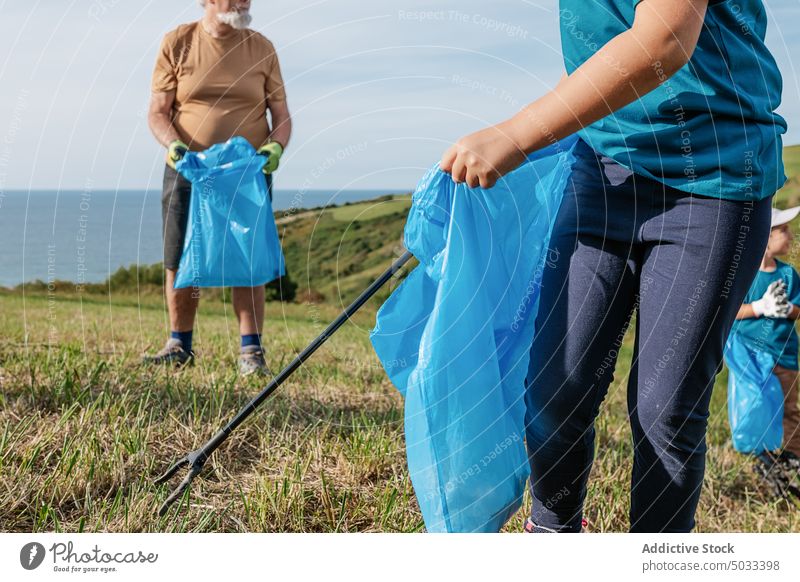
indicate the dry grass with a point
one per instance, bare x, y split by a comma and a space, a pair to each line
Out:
84, 429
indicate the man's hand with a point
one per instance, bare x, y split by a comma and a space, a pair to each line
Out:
773, 303
177, 149
273, 150
479, 159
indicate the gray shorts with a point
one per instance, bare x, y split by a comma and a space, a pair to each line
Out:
175, 197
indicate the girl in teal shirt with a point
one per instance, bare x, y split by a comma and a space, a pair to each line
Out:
667, 214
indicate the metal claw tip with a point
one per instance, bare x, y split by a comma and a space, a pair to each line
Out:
180, 489
172, 470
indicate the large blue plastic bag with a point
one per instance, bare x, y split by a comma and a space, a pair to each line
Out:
455, 337
231, 237
755, 398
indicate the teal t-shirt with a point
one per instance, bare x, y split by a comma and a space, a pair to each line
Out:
775, 336
711, 129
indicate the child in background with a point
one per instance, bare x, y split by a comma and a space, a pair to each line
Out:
766, 319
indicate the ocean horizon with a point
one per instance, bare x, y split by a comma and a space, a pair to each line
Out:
85, 236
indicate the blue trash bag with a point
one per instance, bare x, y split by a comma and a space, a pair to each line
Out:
231, 237
455, 337
755, 398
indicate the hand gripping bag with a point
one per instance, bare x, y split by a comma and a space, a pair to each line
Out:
455, 337
231, 237
755, 398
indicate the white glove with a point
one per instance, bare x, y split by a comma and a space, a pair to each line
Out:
773, 303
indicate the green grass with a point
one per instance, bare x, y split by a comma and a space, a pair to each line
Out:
84, 430
369, 211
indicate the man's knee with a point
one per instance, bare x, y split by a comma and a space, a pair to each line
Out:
248, 293
185, 297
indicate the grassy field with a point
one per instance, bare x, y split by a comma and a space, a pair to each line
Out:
84, 428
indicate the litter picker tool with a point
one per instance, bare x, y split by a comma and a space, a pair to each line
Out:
197, 459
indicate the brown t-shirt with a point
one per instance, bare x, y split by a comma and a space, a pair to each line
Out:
223, 85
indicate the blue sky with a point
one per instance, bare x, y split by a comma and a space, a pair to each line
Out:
377, 88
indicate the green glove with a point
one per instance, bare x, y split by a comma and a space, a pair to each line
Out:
177, 149
273, 150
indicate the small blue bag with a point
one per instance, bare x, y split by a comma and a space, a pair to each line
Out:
755, 398
455, 337
231, 237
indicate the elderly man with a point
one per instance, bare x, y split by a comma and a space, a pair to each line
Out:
213, 79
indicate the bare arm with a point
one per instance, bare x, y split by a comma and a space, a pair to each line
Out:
159, 117
746, 312
281, 122
661, 40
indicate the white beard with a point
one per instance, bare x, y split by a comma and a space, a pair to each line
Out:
234, 19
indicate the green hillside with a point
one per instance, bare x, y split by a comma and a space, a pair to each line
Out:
338, 251
789, 195
333, 253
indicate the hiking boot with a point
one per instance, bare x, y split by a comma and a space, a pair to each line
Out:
790, 462
251, 361
774, 476
172, 354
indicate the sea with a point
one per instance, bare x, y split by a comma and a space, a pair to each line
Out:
84, 236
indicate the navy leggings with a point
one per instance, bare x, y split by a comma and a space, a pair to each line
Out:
624, 244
